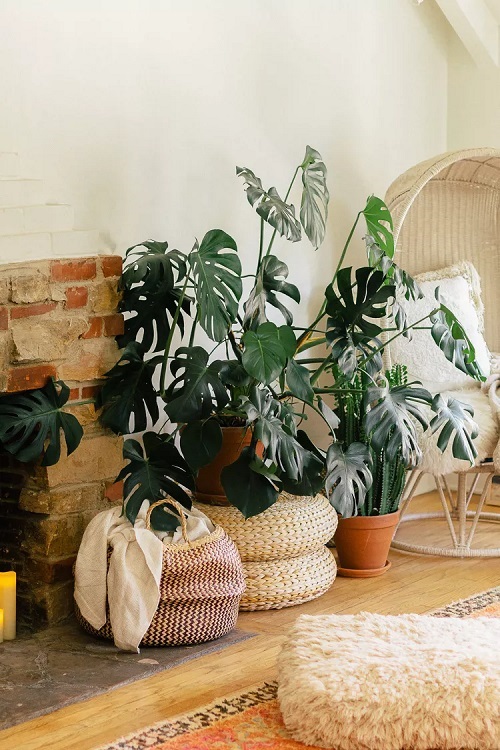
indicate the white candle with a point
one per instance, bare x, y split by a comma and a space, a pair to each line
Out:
8, 604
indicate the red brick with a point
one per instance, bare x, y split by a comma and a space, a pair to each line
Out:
4, 319
27, 378
28, 311
94, 329
111, 265
90, 391
73, 270
113, 325
114, 492
76, 296
74, 394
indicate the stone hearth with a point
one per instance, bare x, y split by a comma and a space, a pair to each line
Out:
58, 318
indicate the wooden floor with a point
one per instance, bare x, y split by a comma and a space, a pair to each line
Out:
414, 584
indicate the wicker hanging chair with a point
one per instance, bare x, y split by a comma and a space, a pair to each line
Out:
446, 210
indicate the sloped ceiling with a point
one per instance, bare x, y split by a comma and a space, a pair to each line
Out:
477, 24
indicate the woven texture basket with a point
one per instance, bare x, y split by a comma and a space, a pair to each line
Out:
200, 589
283, 549
293, 526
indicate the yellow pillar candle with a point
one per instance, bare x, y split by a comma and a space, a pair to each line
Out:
1, 625
8, 604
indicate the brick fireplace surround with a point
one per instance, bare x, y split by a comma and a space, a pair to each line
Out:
57, 318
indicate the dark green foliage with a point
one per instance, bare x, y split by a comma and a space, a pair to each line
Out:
197, 389
201, 442
31, 424
250, 491
267, 351
269, 281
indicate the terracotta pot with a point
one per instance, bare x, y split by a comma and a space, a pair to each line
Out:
208, 485
363, 544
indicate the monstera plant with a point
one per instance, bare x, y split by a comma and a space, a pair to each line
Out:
257, 375
231, 391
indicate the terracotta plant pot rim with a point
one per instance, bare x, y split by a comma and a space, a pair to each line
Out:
370, 522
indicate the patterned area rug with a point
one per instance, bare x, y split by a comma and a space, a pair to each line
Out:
251, 720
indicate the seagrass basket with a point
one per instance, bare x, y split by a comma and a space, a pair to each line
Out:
285, 560
200, 590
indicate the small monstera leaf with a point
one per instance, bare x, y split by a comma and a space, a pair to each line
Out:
270, 280
270, 206
31, 424
151, 285
198, 390
267, 350
315, 197
348, 477
455, 417
298, 379
273, 424
201, 442
389, 421
129, 392
248, 485
217, 271
328, 415
155, 469
453, 341
372, 297
348, 348
379, 224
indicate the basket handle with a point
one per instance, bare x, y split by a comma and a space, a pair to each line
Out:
180, 511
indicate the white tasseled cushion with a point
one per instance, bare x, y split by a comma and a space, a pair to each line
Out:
372, 682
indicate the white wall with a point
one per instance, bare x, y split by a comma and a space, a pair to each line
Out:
137, 111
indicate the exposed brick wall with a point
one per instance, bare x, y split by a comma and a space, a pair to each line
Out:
57, 318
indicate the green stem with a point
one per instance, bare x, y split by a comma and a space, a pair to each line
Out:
310, 344
285, 200
261, 244
193, 327
321, 368
338, 390
163, 374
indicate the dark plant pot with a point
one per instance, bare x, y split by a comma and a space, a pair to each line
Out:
208, 485
363, 544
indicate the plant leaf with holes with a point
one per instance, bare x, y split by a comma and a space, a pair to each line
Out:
155, 469
315, 197
372, 297
197, 389
129, 392
217, 271
201, 442
273, 424
31, 424
379, 224
267, 350
348, 477
252, 492
350, 347
270, 281
454, 417
270, 206
152, 289
389, 420
453, 341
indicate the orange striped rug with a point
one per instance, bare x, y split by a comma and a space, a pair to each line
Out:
251, 720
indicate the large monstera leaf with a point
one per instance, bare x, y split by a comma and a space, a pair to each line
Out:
155, 469
217, 271
348, 477
372, 297
270, 281
453, 341
129, 392
270, 206
315, 197
267, 350
273, 425
31, 424
349, 347
389, 421
248, 485
453, 416
151, 284
197, 389
379, 224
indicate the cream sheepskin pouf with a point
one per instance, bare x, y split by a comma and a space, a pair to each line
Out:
371, 682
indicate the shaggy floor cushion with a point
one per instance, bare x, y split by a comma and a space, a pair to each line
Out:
373, 682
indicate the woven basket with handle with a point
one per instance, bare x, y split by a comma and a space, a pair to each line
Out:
200, 589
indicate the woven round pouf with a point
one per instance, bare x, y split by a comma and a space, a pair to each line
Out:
275, 584
294, 525
285, 560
